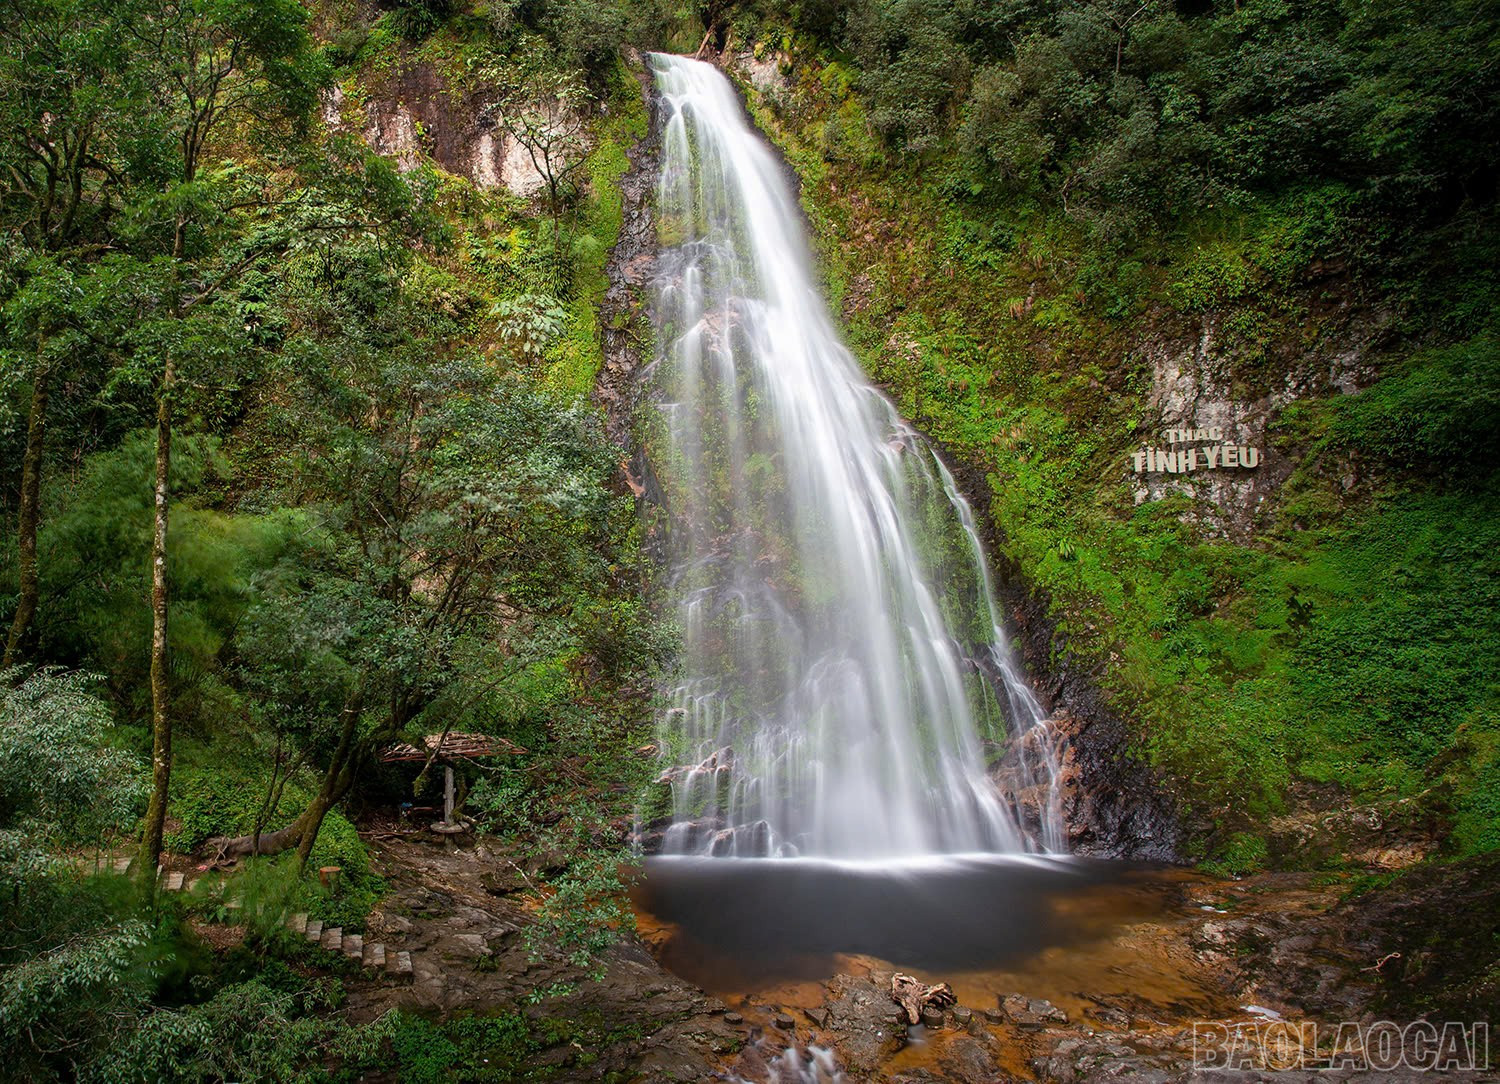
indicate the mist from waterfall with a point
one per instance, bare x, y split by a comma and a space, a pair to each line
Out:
847, 690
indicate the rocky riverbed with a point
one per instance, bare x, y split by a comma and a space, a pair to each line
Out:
462, 909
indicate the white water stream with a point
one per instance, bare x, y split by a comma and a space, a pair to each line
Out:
846, 680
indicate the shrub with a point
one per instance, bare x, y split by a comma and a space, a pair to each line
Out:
1241, 853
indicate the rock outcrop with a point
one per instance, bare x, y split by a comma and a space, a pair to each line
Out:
413, 113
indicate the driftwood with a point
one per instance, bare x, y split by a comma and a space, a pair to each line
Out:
913, 996
228, 848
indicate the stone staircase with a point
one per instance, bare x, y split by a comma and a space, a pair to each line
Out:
373, 957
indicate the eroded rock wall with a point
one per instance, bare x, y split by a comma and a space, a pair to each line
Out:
415, 112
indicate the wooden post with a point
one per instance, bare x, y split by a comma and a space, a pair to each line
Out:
447, 794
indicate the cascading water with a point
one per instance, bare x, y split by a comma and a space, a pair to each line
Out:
845, 670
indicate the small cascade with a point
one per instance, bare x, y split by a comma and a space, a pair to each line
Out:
846, 685
815, 1065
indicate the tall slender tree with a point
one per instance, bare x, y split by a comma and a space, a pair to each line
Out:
61, 96
208, 71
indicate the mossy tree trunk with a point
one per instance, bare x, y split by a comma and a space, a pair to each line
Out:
30, 511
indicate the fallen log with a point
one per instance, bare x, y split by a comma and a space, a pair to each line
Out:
914, 996
227, 848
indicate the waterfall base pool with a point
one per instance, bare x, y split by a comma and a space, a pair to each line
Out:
739, 925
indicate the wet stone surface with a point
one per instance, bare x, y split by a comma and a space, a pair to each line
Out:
469, 955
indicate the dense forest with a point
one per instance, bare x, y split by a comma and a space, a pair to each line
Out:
303, 453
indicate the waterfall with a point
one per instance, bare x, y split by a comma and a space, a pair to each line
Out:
845, 674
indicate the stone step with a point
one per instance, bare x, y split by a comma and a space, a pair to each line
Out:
374, 956
354, 946
314, 929
175, 881
399, 967
333, 938
298, 922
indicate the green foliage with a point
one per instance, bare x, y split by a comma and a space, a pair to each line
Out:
63, 786
529, 324
414, 20
66, 995
585, 910
502, 1047
1403, 620
99, 537
911, 67
1470, 766
1439, 413
424, 1053
72, 959
1135, 116
246, 1031
357, 891
1241, 853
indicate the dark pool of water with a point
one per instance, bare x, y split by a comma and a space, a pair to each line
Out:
740, 923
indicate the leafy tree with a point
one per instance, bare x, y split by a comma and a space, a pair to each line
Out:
547, 115
61, 99
71, 972
460, 522
913, 65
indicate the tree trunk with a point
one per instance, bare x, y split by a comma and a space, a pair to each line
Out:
31, 493
311, 822
161, 721
337, 779
266, 843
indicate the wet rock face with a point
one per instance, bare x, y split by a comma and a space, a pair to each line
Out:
625, 313
969, 1061
867, 1025
1421, 945
1111, 801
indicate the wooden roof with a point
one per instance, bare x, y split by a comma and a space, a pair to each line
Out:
454, 745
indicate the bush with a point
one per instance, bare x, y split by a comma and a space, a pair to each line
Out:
218, 801
1241, 853
414, 20
246, 1031
357, 891
1440, 412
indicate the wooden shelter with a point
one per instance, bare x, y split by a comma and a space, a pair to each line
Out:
444, 749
